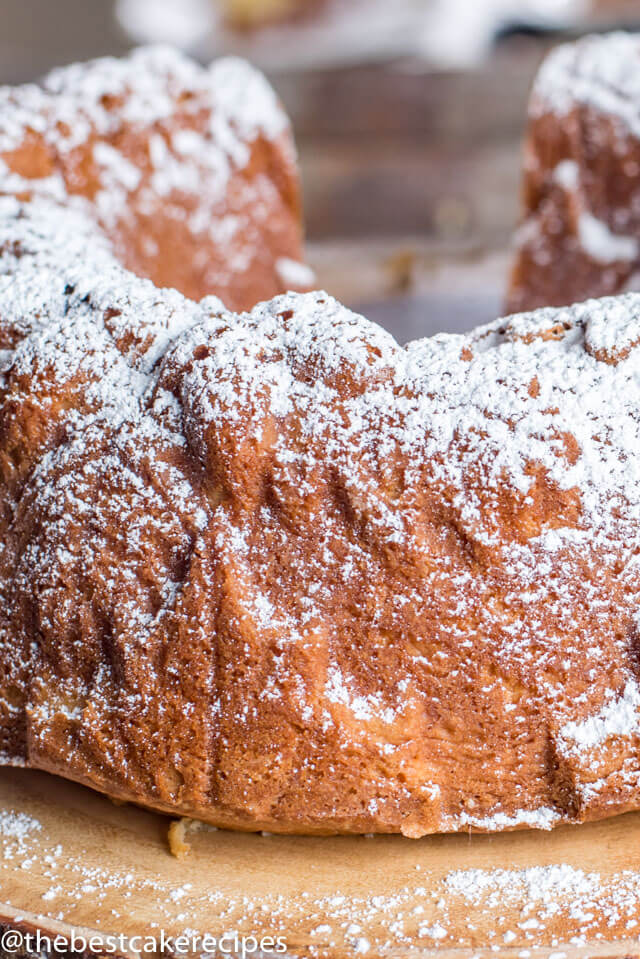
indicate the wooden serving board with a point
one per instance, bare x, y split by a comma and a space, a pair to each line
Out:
71, 860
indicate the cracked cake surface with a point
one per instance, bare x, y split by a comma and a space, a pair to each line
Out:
273, 570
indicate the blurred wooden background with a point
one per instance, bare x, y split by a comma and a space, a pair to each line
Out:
410, 177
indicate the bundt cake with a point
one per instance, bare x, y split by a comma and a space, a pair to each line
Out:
189, 172
271, 569
274, 571
580, 234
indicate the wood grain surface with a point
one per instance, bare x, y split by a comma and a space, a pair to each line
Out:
71, 860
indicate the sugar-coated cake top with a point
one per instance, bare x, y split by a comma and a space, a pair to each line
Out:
147, 84
224, 108
189, 170
550, 396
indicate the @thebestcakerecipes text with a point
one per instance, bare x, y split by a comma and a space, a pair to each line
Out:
19, 942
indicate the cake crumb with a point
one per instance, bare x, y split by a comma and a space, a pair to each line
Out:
177, 836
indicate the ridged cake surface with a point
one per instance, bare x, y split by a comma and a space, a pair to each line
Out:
276, 571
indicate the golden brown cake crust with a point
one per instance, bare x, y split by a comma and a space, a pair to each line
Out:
580, 234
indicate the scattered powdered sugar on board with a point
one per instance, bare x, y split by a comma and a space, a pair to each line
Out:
586, 899
15, 829
553, 906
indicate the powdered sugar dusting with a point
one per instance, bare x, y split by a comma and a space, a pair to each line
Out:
619, 716
322, 388
580, 233
601, 244
602, 72
75, 103
295, 275
155, 135
149, 81
543, 818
